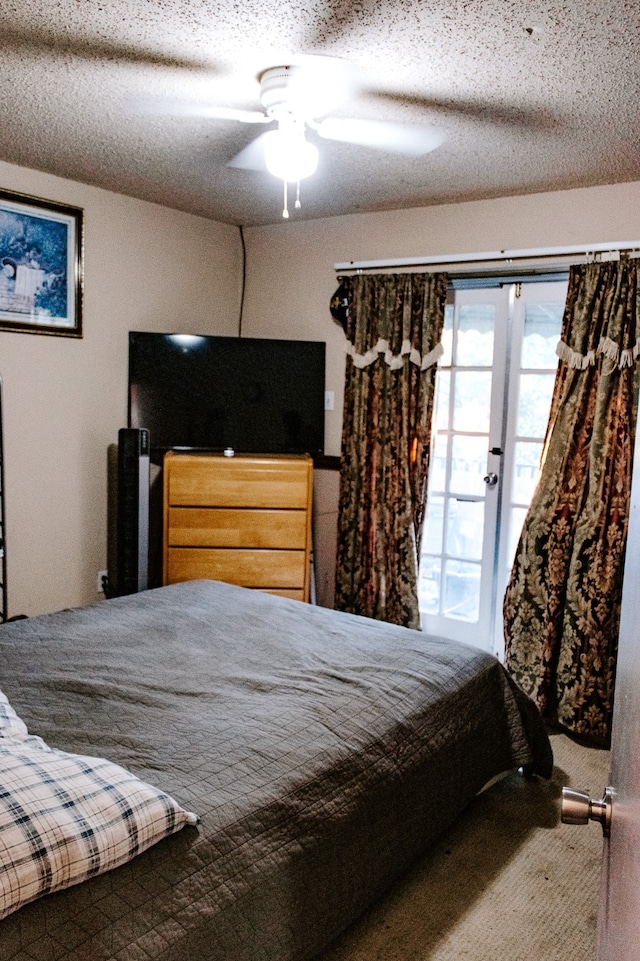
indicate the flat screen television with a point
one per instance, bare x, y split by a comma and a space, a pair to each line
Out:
251, 395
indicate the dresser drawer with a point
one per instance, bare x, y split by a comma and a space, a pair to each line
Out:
245, 520
225, 527
293, 593
236, 482
248, 568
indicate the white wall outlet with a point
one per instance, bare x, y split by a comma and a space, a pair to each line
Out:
329, 399
99, 584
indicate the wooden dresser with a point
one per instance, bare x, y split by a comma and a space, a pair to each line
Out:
245, 520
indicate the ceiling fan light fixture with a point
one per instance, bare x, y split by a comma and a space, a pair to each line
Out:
289, 155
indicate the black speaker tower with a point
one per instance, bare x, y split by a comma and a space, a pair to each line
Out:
132, 550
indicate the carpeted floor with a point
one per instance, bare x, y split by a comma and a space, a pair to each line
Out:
508, 882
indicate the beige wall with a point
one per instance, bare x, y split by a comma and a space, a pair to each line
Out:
146, 268
290, 275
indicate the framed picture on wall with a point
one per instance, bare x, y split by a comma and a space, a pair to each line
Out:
40, 266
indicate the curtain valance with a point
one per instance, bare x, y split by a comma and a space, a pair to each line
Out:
390, 317
395, 361
607, 348
602, 316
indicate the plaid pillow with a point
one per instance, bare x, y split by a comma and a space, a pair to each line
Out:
10, 723
65, 818
13, 727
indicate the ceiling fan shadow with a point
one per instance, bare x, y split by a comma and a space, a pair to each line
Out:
475, 110
40, 42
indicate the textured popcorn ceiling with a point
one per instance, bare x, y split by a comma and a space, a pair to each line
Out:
531, 96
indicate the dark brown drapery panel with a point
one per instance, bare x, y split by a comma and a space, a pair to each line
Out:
393, 327
562, 604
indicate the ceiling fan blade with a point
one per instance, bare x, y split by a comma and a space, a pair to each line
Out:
252, 157
412, 140
205, 110
231, 113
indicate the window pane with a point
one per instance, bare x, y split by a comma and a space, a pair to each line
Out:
429, 584
468, 465
525, 471
542, 325
438, 463
443, 385
447, 336
462, 591
516, 520
472, 401
474, 344
534, 404
465, 528
432, 534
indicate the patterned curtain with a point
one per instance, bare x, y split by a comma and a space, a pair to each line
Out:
393, 324
562, 605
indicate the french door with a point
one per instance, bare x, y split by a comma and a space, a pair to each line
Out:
493, 393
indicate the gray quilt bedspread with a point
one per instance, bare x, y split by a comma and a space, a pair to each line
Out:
324, 753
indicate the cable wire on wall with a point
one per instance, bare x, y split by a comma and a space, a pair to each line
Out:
244, 280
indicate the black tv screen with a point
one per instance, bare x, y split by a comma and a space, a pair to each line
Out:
252, 395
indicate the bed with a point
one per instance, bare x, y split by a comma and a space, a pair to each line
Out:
323, 753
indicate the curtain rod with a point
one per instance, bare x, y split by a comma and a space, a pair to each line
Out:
607, 251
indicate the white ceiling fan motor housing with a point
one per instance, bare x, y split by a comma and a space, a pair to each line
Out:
305, 90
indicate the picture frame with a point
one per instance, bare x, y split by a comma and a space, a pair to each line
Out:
41, 266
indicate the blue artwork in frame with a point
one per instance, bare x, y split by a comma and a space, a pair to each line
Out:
40, 266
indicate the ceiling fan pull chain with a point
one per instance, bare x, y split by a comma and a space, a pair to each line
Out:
285, 212
298, 204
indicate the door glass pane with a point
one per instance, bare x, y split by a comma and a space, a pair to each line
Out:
474, 344
518, 515
443, 384
468, 464
447, 336
525, 470
533, 404
432, 532
541, 334
429, 584
438, 463
462, 590
465, 528
472, 402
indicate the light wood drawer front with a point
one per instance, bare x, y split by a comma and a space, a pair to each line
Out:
221, 527
238, 483
274, 569
291, 592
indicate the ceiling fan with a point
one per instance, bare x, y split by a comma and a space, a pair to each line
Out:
297, 98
